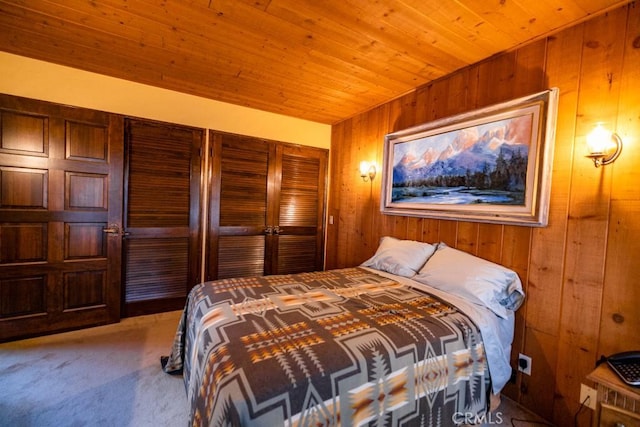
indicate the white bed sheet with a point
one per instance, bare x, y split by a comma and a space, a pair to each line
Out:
497, 333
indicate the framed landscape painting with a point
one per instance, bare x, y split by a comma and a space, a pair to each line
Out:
488, 165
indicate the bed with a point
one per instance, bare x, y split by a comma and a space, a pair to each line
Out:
384, 343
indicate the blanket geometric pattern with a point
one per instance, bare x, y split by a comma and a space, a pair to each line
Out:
339, 347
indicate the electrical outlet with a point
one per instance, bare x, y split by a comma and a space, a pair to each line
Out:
588, 396
524, 364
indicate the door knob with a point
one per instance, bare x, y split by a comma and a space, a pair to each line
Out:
112, 229
270, 230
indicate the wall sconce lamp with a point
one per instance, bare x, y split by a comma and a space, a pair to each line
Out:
367, 171
601, 144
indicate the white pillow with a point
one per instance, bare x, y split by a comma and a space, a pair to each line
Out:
400, 257
475, 279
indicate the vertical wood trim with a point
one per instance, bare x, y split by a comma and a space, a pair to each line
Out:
115, 215
195, 213
323, 179
213, 235
205, 185
274, 185
334, 197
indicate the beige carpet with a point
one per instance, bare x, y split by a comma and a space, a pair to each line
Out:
110, 376
104, 376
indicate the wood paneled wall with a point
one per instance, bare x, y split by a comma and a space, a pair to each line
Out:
581, 271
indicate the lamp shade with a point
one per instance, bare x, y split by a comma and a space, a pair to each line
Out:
599, 141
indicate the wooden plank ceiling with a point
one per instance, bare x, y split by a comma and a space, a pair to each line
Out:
321, 60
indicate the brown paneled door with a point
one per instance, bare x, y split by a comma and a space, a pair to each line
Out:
162, 204
60, 217
266, 207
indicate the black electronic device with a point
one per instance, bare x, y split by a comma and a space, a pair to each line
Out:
627, 366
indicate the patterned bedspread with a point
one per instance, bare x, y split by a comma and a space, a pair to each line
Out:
341, 347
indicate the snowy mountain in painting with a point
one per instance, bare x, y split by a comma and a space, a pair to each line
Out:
468, 153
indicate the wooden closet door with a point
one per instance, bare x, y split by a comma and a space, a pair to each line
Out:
300, 186
162, 215
266, 208
60, 217
241, 178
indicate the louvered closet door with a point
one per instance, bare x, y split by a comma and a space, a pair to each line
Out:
241, 180
162, 203
300, 233
60, 217
266, 209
